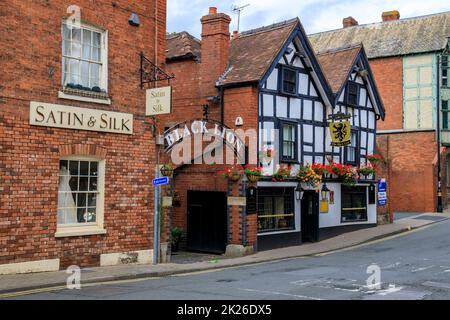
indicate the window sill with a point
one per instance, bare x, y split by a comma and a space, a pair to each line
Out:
86, 97
79, 231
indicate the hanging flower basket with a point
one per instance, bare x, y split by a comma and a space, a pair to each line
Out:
253, 173
233, 173
309, 176
283, 173
366, 170
167, 170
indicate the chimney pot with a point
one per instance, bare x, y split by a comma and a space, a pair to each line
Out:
390, 15
212, 10
349, 22
235, 34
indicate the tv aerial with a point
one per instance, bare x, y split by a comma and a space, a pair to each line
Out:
237, 10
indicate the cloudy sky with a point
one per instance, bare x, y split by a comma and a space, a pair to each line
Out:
316, 15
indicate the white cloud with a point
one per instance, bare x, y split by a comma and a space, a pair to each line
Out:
316, 15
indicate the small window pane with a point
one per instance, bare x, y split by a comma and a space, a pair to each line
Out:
93, 168
91, 215
96, 39
87, 37
85, 73
92, 199
64, 164
95, 70
84, 168
66, 48
73, 167
76, 50
84, 181
74, 67
76, 35
93, 184
81, 200
95, 54
65, 32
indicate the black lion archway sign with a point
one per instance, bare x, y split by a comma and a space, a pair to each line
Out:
188, 129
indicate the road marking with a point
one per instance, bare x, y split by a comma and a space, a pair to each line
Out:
421, 269
61, 288
281, 294
442, 285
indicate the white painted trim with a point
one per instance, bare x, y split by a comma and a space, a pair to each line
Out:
120, 258
30, 266
63, 95
78, 231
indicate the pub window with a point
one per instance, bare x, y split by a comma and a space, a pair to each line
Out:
352, 93
80, 192
84, 58
276, 209
354, 204
288, 141
351, 151
445, 71
445, 118
289, 80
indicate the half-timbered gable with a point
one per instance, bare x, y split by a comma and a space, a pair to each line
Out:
293, 100
350, 78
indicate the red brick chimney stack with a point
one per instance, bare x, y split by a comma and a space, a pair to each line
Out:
390, 15
349, 22
215, 47
235, 35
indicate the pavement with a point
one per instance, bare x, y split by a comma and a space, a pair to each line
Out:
34, 281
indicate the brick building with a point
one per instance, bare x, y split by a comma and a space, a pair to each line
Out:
76, 150
267, 82
403, 55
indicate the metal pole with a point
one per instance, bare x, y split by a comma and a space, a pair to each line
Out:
156, 219
438, 138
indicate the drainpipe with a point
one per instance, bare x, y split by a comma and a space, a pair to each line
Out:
222, 111
438, 138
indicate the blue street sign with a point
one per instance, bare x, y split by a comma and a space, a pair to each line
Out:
160, 181
382, 192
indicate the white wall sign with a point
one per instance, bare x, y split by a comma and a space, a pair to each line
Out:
158, 101
62, 116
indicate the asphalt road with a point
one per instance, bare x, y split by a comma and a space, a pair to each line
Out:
412, 266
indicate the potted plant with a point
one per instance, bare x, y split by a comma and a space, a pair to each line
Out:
306, 174
346, 173
283, 172
167, 170
253, 173
176, 236
232, 173
375, 159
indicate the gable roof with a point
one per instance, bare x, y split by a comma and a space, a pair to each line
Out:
182, 45
253, 51
390, 38
337, 64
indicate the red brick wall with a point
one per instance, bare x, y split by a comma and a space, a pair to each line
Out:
410, 170
388, 73
29, 156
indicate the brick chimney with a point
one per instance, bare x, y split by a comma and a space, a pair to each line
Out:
390, 15
349, 22
215, 47
235, 34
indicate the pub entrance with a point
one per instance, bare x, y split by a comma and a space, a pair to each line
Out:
207, 221
310, 216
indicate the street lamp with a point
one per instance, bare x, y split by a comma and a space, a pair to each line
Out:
325, 192
299, 192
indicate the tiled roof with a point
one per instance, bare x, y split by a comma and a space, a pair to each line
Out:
252, 52
182, 45
390, 38
336, 65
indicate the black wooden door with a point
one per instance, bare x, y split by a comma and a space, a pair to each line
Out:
310, 216
207, 221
